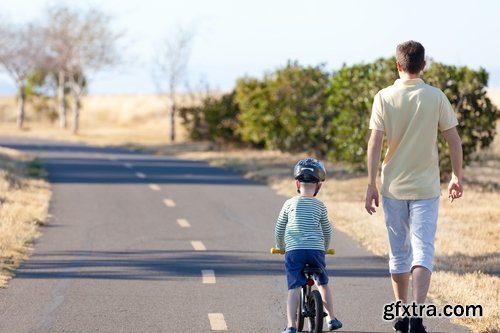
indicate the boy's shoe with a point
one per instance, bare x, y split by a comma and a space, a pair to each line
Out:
416, 326
334, 324
290, 330
401, 325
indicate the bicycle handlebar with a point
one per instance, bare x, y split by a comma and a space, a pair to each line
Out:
275, 250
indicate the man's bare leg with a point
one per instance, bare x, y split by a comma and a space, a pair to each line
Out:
400, 283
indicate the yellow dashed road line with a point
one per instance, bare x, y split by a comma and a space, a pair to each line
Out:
208, 276
169, 202
217, 322
154, 187
183, 223
198, 246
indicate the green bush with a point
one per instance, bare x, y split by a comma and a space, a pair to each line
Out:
305, 109
286, 110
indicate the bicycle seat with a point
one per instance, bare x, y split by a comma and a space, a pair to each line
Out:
312, 270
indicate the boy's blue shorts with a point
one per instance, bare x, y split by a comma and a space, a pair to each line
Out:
296, 260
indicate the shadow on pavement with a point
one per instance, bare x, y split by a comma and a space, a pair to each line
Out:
160, 265
80, 164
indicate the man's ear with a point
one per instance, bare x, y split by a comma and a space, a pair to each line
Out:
297, 183
398, 66
423, 66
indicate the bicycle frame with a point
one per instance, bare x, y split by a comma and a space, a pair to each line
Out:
306, 293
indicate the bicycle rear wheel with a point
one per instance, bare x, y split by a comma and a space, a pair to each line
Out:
315, 309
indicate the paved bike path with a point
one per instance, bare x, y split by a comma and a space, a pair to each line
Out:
115, 258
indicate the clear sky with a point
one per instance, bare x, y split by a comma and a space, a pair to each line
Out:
237, 38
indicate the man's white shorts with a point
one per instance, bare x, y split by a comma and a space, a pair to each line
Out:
411, 226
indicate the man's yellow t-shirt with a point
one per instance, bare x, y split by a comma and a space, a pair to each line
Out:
411, 112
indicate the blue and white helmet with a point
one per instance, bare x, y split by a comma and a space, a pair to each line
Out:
309, 170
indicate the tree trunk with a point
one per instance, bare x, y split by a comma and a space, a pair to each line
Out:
76, 113
60, 96
172, 122
20, 107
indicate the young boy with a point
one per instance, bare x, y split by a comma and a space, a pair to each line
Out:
304, 231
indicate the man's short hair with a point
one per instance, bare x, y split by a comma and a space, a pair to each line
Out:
411, 56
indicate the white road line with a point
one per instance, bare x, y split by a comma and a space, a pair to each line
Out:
154, 187
183, 223
217, 322
169, 202
207, 276
140, 175
198, 246
128, 165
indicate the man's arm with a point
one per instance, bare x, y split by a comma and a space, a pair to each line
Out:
455, 188
374, 150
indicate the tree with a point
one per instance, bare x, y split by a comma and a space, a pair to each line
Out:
79, 43
20, 47
171, 69
78, 87
59, 50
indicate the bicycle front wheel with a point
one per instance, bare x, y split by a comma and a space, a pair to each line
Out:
315, 305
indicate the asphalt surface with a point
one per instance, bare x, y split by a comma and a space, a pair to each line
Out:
142, 243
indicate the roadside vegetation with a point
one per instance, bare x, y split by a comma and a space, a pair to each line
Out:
24, 201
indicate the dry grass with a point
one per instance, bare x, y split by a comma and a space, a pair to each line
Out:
475, 220
470, 288
24, 204
104, 120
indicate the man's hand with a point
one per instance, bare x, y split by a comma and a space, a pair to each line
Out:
455, 145
455, 188
371, 197
373, 152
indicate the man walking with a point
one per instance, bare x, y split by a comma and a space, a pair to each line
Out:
410, 113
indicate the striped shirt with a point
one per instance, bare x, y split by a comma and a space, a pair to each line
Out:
303, 224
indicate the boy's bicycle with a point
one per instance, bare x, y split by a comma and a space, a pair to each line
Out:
310, 302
